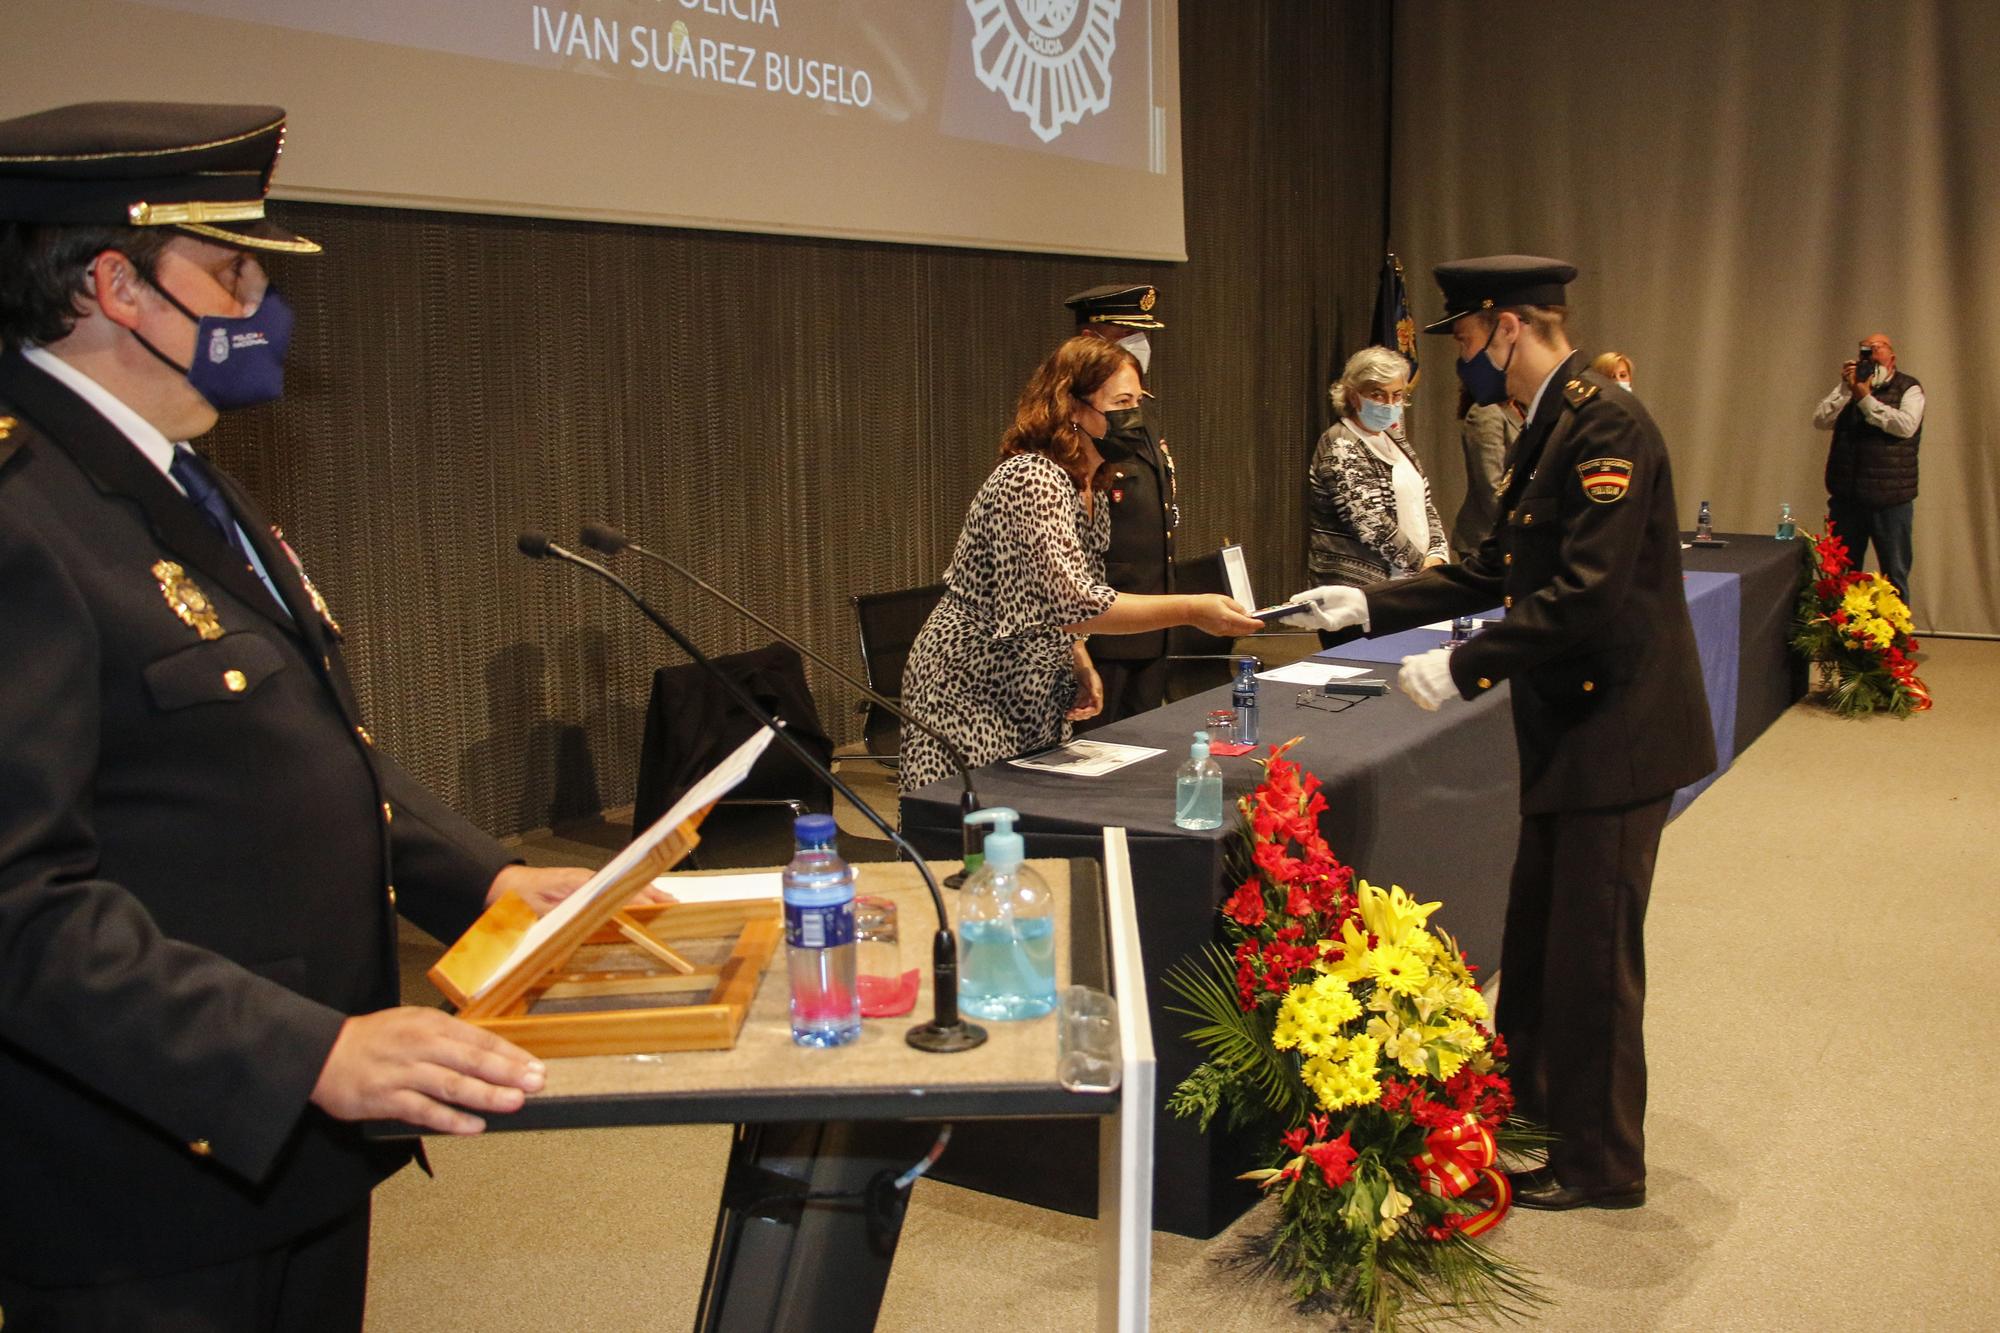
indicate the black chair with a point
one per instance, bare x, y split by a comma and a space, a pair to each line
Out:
888, 624
1197, 660
692, 724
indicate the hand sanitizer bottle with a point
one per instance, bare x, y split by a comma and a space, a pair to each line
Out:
1198, 788
1788, 528
1007, 928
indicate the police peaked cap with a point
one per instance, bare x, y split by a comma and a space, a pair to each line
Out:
1497, 281
1130, 304
201, 169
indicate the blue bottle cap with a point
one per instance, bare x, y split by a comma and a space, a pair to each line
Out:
814, 830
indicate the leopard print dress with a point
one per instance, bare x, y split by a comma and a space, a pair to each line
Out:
991, 667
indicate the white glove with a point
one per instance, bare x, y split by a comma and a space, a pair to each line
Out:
1331, 607
1426, 677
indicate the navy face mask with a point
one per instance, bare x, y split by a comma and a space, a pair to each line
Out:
237, 362
1484, 381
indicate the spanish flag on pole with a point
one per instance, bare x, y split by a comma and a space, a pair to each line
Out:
1393, 325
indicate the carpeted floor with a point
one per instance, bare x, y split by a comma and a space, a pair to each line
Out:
1824, 923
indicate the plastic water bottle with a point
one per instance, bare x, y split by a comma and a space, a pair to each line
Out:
1007, 928
1243, 698
1198, 788
819, 938
1787, 527
1704, 528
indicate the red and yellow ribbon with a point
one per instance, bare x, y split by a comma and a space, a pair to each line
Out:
1458, 1160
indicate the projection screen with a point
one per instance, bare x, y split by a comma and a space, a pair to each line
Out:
1046, 125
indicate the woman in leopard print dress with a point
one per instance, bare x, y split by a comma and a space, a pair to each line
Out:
1000, 667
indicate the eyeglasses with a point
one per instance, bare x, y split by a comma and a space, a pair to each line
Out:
1386, 398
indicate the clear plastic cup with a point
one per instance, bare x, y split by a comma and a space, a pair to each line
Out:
1087, 1040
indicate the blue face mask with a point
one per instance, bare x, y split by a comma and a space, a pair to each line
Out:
1484, 381
1379, 417
237, 362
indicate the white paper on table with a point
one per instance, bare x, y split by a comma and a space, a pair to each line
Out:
1312, 673
713, 785
1085, 759
1444, 626
721, 888
1236, 572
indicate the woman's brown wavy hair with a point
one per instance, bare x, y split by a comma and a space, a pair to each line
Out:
1041, 424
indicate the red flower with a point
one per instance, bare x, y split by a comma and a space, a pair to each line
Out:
1319, 1124
1334, 1159
1298, 902
1247, 906
1294, 1141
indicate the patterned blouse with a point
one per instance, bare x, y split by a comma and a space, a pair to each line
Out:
1355, 537
991, 668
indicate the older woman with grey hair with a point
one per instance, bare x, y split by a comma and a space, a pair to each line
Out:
1371, 511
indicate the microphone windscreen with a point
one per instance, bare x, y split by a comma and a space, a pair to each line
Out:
601, 537
534, 545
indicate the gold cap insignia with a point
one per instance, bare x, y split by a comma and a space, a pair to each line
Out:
1146, 301
187, 599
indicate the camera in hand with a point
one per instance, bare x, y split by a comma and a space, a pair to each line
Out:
1864, 362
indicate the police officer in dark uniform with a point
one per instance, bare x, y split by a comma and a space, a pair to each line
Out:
1144, 514
201, 849
1609, 710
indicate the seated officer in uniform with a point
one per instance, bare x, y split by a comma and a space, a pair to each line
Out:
1138, 479
1610, 714
201, 850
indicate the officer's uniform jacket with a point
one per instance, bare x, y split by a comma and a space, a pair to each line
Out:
201, 852
1609, 707
1144, 514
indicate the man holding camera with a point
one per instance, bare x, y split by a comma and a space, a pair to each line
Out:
1876, 414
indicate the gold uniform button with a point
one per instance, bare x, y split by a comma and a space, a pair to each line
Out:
326, 662
1528, 521
388, 815
1589, 685
1507, 602
1507, 559
235, 681
362, 732
1485, 684
201, 1148
392, 895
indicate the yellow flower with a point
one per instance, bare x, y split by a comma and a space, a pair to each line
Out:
1350, 966
1394, 1205
1467, 1001
1336, 1084
1392, 915
1397, 969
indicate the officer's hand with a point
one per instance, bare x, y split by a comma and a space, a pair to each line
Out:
420, 1066
1426, 678
1331, 608
1089, 700
1855, 387
1224, 617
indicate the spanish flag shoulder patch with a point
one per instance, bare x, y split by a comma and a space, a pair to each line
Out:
1605, 480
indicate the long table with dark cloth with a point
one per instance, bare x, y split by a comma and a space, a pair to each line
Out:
1426, 800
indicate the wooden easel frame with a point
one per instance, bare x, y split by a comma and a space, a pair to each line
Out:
653, 928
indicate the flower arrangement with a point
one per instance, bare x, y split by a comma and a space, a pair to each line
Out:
1857, 629
1347, 1029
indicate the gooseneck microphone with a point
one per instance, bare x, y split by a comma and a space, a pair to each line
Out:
947, 1031
608, 540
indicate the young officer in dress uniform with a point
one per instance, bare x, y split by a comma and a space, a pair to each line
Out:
1609, 710
201, 849
1143, 509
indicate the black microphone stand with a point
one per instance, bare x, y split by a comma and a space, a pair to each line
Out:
610, 541
947, 1031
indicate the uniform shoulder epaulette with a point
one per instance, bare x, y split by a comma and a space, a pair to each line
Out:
1576, 393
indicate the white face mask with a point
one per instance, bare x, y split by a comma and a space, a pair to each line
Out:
1141, 348
1626, 385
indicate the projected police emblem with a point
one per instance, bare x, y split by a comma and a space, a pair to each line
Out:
1051, 59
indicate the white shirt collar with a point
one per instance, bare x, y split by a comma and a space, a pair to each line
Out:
1535, 404
145, 437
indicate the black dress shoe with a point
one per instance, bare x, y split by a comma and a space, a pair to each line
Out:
1535, 1178
1540, 1189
